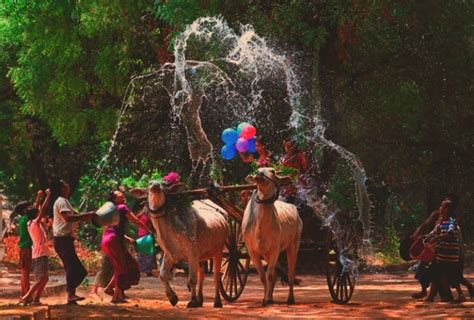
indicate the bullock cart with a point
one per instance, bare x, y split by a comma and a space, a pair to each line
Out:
319, 240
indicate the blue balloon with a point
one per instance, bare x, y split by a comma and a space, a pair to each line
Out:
228, 152
251, 148
229, 136
241, 126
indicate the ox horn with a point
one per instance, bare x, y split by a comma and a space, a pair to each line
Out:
284, 181
175, 188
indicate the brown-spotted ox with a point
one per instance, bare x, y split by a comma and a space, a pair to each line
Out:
270, 226
190, 233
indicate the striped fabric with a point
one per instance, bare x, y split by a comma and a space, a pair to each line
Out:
448, 246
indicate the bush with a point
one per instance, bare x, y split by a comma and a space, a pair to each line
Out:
12, 252
389, 253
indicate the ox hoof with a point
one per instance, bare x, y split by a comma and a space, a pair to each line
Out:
267, 302
173, 300
217, 304
290, 301
194, 304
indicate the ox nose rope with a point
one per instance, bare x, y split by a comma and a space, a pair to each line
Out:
157, 213
273, 198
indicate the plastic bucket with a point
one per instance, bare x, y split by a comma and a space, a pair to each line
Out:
424, 252
145, 244
107, 215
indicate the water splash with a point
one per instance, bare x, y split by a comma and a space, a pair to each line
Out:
228, 71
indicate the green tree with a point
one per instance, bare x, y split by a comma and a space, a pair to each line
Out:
65, 66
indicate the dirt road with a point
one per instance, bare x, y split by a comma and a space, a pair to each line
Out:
376, 295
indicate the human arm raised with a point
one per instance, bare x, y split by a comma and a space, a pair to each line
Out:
39, 195
43, 207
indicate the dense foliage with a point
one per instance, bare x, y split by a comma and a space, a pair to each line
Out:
393, 80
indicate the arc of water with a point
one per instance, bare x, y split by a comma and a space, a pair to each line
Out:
254, 58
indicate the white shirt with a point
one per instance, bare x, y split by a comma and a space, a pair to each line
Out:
62, 228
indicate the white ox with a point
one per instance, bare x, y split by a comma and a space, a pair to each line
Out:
186, 233
270, 226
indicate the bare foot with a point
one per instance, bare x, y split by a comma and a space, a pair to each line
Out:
110, 292
460, 299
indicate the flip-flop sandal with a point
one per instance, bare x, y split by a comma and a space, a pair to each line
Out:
23, 303
419, 295
117, 301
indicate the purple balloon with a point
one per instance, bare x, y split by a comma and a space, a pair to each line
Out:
242, 145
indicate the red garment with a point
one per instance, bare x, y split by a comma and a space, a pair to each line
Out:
25, 258
145, 219
126, 271
299, 162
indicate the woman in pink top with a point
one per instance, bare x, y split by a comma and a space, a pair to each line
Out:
40, 252
146, 262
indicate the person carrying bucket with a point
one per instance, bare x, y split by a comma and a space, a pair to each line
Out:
65, 219
146, 260
126, 270
448, 253
424, 270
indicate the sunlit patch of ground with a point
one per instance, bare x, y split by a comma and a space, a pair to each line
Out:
377, 295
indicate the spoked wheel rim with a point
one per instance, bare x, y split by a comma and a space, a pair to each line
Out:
235, 265
341, 283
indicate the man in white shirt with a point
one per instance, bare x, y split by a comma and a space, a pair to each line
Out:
64, 218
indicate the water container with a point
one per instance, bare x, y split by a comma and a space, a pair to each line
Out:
423, 251
145, 244
107, 215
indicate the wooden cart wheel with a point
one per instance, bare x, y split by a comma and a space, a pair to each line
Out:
341, 283
235, 265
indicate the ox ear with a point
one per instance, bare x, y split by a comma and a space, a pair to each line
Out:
250, 179
175, 187
139, 193
284, 181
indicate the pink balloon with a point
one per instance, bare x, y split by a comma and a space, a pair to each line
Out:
242, 145
248, 132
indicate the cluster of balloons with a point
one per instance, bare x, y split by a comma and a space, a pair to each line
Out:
241, 139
